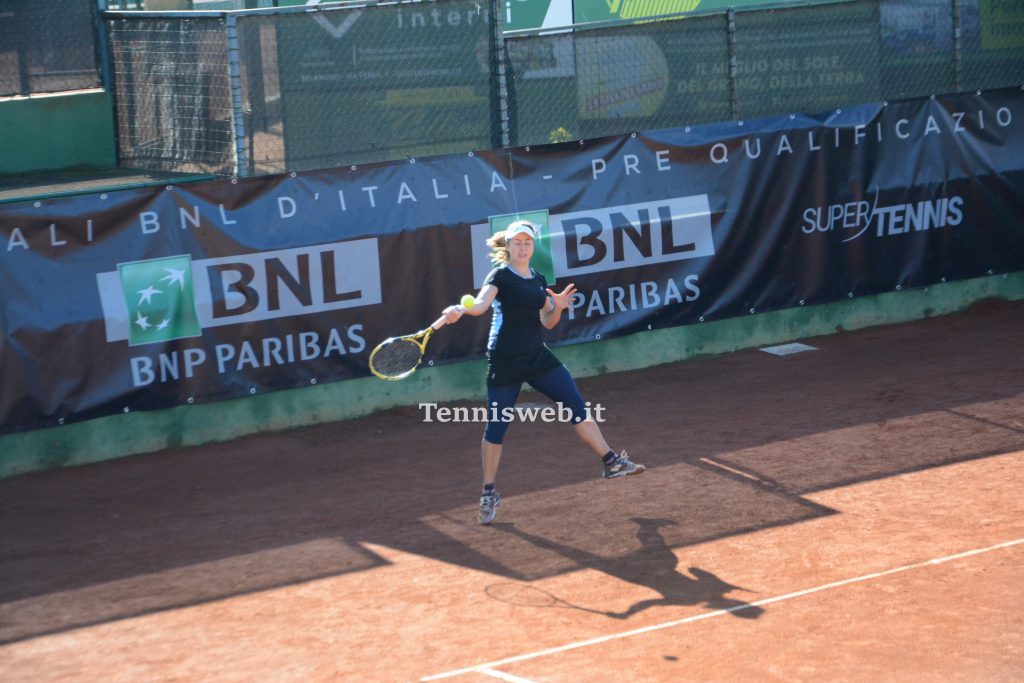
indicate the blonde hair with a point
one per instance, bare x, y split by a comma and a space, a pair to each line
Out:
498, 242
499, 248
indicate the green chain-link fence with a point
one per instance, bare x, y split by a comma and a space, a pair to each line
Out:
357, 85
757, 62
172, 94
275, 90
47, 46
619, 79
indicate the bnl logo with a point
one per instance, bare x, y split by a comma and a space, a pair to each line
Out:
607, 238
163, 299
160, 298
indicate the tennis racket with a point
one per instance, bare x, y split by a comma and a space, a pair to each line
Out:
398, 357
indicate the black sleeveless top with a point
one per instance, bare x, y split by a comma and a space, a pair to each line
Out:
516, 351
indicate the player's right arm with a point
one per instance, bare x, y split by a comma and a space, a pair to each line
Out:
483, 301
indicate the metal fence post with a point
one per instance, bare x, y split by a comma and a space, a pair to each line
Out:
24, 78
237, 107
958, 55
730, 30
103, 45
103, 48
500, 93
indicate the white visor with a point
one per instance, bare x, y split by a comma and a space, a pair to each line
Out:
520, 227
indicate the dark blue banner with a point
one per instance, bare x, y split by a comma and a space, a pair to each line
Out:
150, 298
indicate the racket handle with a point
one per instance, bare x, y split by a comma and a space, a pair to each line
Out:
439, 323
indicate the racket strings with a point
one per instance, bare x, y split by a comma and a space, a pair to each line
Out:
396, 358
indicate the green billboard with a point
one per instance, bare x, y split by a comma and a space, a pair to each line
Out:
586, 11
529, 14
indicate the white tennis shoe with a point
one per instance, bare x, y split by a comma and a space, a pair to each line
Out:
489, 503
621, 466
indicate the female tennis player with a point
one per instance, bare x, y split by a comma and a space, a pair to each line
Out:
516, 353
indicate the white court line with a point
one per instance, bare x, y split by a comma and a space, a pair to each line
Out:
725, 467
504, 676
489, 666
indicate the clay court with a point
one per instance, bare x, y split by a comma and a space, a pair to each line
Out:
849, 513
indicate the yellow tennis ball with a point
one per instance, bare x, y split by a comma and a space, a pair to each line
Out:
468, 301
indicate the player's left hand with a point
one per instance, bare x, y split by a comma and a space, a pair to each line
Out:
562, 300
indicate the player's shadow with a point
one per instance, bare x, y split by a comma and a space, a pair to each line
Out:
654, 565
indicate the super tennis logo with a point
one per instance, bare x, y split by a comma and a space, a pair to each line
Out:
856, 218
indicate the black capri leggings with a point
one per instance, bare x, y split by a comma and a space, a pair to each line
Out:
557, 384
